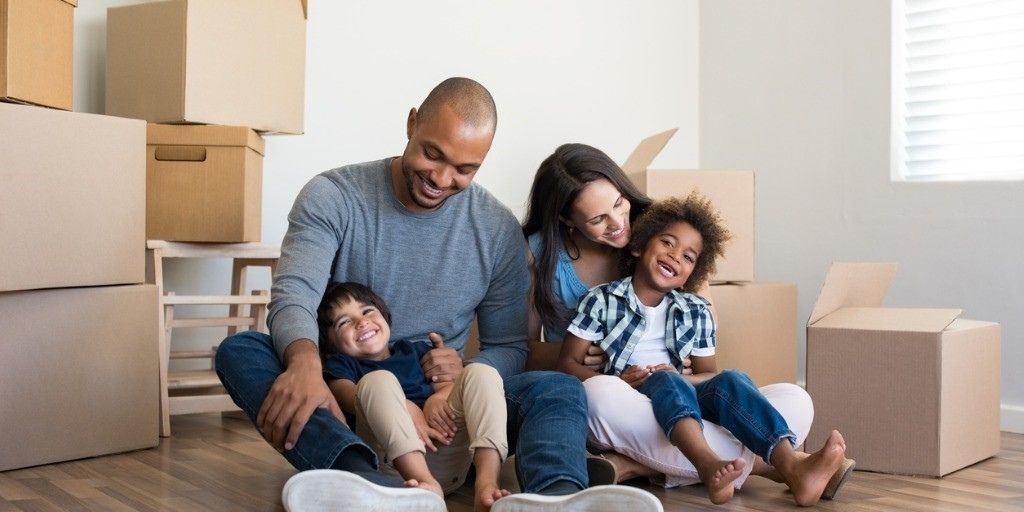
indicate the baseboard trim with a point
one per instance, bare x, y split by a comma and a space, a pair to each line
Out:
1012, 419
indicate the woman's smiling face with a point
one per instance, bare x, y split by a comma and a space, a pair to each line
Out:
601, 214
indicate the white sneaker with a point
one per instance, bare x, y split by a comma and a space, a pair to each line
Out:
602, 498
323, 490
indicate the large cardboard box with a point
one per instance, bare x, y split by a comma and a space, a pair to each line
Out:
203, 183
914, 391
72, 199
757, 328
36, 51
731, 191
227, 62
80, 373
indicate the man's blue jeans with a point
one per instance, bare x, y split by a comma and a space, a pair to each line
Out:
547, 417
729, 399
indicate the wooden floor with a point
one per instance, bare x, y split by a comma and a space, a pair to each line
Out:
219, 463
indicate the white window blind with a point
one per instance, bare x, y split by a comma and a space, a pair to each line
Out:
958, 89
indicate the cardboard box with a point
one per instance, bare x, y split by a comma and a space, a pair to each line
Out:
36, 51
757, 328
80, 373
227, 62
731, 191
72, 199
203, 183
914, 391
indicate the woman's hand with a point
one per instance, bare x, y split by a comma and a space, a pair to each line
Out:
595, 358
635, 375
426, 433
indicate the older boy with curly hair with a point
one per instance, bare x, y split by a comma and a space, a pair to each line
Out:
650, 322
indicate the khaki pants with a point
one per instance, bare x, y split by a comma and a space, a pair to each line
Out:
478, 399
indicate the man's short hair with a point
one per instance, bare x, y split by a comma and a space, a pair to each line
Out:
470, 100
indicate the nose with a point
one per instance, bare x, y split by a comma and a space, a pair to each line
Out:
443, 177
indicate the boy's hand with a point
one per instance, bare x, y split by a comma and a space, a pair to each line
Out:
663, 367
635, 375
441, 364
439, 414
426, 433
595, 358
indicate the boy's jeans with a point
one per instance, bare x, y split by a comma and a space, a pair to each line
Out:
729, 399
547, 416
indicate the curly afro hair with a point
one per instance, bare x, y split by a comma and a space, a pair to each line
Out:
695, 210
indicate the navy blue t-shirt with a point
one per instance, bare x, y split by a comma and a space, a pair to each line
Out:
404, 363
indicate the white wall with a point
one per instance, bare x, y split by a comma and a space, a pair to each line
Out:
799, 91
603, 72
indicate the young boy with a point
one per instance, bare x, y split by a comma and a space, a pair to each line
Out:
650, 322
389, 395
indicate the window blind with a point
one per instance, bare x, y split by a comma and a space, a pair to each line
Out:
958, 89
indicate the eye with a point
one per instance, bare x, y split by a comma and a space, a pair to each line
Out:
596, 220
689, 258
369, 310
431, 154
666, 242
342, 322
465, 171
620, 202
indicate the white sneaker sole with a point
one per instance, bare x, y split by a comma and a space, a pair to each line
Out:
323, 490
602, 498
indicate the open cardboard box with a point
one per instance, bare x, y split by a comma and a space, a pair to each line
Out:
914, 391
228, 62
732, 192
36, 38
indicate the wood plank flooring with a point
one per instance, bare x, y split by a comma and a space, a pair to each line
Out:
216, 463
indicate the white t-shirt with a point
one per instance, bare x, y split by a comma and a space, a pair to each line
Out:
651, 348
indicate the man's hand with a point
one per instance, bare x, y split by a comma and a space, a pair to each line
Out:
426, 433
687, 367
296, 393
441, 364
439, 413
635, 375
595, 358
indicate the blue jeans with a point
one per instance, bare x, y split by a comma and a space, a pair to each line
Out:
729, 399
547, 418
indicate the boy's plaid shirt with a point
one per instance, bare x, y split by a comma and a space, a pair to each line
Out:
611, 314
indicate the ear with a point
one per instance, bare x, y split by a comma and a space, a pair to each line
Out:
410, 124
635, 253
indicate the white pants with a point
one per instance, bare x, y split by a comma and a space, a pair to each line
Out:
621, 419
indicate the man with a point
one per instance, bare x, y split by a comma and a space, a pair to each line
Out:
440, 250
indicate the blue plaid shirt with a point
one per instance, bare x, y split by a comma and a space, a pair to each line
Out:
611, 316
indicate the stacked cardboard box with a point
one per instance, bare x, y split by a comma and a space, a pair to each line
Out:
756, 321
235, 65
79, 333
35, 51
914, 391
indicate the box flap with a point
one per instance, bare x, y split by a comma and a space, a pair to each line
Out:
852, 285
645, 152
203, 135
72, 3
305, 9
889, 319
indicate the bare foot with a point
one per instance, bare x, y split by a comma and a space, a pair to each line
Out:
486, 494
428, 485
627, 468
719, 478
811, 474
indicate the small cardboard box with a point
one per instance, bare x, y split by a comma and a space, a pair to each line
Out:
203, 183
757, 329
36, 51
731, 191
80, 373
914, 391
226, 62
72, 199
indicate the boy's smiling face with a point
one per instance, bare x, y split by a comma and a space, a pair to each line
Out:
668, 258
359, 330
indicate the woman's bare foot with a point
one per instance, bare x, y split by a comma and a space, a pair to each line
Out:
429, 485
486, 494
719, 478
809, 475
627, 468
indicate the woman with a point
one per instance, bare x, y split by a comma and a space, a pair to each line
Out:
578, 225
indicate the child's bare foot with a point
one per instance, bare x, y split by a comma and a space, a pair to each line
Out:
719, 478
429, 485
486, 494
811, 474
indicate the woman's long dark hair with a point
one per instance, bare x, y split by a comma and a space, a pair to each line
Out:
559, 180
